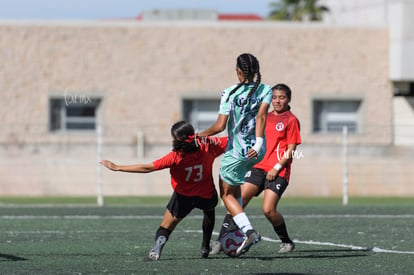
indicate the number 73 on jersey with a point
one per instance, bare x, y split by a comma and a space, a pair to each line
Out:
194, 173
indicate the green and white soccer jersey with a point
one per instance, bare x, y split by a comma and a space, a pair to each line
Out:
241, 123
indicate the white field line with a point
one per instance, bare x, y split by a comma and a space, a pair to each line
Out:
61, 232
132, 217
351, 216
352, 247
81, 217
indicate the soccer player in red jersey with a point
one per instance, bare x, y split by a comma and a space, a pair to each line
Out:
191, 164
271, 174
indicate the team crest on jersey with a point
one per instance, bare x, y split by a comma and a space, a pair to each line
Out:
280, 126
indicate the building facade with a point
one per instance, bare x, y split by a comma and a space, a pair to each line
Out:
67, 87
396, 16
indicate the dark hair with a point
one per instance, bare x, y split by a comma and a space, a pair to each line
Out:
250, 67
285, 88
183, 137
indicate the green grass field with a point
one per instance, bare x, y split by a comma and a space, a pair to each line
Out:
72, 236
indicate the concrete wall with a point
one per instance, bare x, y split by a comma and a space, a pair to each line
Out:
135, 67
141, 71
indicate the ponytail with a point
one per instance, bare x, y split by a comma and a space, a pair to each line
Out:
184, 139
256, 85
249, 65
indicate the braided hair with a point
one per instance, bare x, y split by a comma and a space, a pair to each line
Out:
250, 67
183, 137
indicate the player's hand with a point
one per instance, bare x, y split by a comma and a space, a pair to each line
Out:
110, 165
271, 174
251, 154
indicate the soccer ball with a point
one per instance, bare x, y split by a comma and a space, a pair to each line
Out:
231, 241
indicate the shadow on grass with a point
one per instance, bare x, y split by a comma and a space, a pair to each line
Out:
313, 254
297, 254
7, 257
283, 273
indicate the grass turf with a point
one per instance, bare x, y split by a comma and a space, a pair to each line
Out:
115, 239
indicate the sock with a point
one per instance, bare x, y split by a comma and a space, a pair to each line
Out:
281, 231
239, 199
208, 226
243, 222
162, 232
228, 225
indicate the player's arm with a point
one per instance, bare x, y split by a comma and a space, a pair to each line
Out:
217, 127
260, 127
134, 168
283, 162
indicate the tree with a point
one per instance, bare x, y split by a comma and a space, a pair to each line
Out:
297, 10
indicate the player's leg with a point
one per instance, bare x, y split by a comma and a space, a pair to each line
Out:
248, 191
233, 205
177, 208
232, 172
208, 207
208, 226
228, 224
253, 186
167, 226
272, 195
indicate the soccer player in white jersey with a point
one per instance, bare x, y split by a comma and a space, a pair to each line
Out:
243, 108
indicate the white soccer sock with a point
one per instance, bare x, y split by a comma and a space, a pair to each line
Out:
243, 222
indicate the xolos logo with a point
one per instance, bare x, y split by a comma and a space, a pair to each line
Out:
280, 126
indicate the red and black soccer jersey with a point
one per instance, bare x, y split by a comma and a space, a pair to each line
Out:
281, 130
191, 173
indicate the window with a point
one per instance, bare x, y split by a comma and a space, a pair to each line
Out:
329, 116
73, 114
201, 113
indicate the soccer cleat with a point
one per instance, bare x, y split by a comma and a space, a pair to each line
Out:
286, 247
205, 250
156, 249
215, 247
252, 238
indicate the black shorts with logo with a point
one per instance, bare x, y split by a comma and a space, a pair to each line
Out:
180, 205
258, 177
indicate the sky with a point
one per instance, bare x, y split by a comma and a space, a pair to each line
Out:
104, 9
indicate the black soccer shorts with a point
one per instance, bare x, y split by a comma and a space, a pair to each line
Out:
258, 177
180, 205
